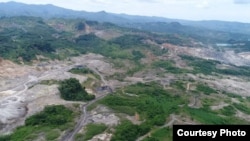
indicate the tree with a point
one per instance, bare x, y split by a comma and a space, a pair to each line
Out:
80, 26
71, 89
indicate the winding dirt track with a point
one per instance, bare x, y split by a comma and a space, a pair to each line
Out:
84, 117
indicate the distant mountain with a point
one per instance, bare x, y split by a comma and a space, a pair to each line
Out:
10, 9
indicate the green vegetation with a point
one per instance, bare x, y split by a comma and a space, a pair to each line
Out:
71, 89
178, 38
206, 102
50, 116
163, 134
242, 107
205, 89
31, 39
49, 82
232, 95
27, 37
5, 138
153, 103
112, 49
179, 85
228, 111
137, 55
91, 131
51, 122
201, 65
120, 76
52, 135
127, 131
208, 67
206, 116
239, 48
84, 70
157, 51
91, 83
237, 71
94, 129
120, 104
34, 36
136, 68
129, 41
168, 66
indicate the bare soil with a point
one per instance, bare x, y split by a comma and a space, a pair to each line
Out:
21, 94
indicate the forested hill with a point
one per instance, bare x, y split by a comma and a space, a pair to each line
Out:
22, 38
50, 11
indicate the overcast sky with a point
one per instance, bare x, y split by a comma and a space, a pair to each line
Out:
227, 10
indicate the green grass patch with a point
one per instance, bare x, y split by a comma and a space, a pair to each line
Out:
117, 63
200, 65
242, 107
48, 122
5, 137
206, 102
205, 116
232, 95
205, 89
79, 137
88, 82
163, 134
153, 89
51, 116
24, 133
84, 71
228, 111
179, 85
91, 82
208, 67
153, 103
168, 66
92, 106
49, 82
120, 104
52, 135
94, 129
127, 131
136, 68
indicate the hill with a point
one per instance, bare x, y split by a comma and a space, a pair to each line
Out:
27, 38
49, 11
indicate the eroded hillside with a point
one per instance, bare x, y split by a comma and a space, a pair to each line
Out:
141, 81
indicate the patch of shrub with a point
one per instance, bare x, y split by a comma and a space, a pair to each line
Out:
71, 89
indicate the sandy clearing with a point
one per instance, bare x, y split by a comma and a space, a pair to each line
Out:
23, 96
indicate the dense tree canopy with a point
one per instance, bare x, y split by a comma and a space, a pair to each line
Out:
71, 89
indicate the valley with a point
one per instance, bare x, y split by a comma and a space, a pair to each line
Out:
29, 95
138, 83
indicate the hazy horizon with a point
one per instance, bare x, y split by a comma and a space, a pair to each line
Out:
223, 10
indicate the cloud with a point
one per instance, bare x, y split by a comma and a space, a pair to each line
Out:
203, 4
147, 1
242, 1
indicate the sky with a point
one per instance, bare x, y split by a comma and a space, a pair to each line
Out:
225, 10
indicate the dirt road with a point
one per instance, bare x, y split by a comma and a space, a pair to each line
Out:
83, 121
